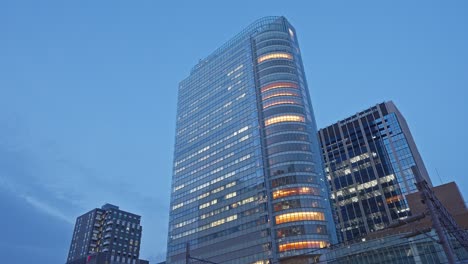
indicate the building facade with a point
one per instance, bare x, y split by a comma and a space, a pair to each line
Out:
413, 242
106, 235
248, 183
368, 159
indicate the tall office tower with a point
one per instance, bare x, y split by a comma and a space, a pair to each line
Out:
248, 183
368, 159
106, 236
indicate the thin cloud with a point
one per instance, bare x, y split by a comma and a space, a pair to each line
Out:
45, 208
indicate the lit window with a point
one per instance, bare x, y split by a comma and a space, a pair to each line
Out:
279, 94
299, 216
284, 118
280, 102
302, 245
295, 191
278, 85
277, 55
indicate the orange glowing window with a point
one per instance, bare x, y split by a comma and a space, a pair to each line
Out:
276, 55
295, 191
299, 216
394, 199
302, 245
279, 85
278, 103
284, 118
279, 94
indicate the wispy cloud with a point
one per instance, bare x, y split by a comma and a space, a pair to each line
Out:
45, 208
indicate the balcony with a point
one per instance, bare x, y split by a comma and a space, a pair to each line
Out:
110, 222
107, 242
108, 229
107, 236
105, 250
94, 238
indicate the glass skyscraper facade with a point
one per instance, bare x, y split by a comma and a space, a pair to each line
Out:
248, 183
368, 159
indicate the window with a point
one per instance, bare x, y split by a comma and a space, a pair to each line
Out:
302, 245
279, 85
295, 191
284, 118
277, 55
299, 216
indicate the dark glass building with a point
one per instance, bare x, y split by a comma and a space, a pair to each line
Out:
106, 235
248, 183
368, 159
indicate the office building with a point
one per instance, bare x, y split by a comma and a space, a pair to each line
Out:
248, 183
368, 159
405, 243
106, 235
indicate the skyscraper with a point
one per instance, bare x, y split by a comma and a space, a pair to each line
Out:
106, 235
248, 183
368, 159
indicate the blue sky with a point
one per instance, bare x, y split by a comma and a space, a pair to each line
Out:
88, 97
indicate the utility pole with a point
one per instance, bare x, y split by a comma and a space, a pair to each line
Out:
428, 198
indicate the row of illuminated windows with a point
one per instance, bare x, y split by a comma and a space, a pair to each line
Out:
217, 211
214, 123
302, 245
183, 148
191, 99
299, 216
235, 133
297, 203
221, 167
205, 185
284, 76
179, 179
205, 227
224, 232
277, 85
246, 213
240, 170
227, 146
213, 99
206, 131
205, 166
212, 104
284, 118
289, 109
280, 93
295, 191
204, 195
282, 101
215, 201
236, 69
276, 55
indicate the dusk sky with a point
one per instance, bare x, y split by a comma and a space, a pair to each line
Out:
88, 94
